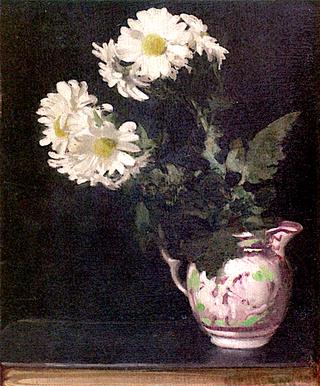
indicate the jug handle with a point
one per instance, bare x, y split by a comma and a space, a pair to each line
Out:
174, 264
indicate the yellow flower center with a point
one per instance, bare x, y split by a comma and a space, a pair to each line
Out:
153, 45
103, 147
60, 133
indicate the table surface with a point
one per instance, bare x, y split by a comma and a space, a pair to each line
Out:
149, 345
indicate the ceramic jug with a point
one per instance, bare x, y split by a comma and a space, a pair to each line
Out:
245, 302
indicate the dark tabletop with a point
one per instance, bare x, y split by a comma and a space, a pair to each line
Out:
149, 345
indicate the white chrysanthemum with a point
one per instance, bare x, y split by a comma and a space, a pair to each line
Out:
99, 154
58, 110
201, 41
131, 171
114, 73
156, 43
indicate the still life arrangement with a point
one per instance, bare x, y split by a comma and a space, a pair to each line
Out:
213, 213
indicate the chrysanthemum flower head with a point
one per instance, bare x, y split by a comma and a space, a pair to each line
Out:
58, 109
101, 154
125, 78
156, 43
200, 40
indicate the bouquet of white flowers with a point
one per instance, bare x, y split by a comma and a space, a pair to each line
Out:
173, 59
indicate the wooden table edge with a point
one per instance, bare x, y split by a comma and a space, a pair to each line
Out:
46, 376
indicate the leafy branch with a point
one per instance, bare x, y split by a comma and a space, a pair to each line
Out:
212, 149
265, 151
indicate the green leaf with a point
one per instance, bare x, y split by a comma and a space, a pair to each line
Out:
169, 184
212, 148
142, 219
219, 102
143, 225
220, 323
204, 120
265, 150
206, 321
112, 117
244, 205
257, 210
157, 177
194, 280
255, 221
145, 143
250, 321
210, 252
238, 192
235, 161
200, 307
203, 214
97, 119
175, 175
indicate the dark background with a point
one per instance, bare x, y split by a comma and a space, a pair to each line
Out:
68, 251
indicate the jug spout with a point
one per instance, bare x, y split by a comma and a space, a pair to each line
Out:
279, 237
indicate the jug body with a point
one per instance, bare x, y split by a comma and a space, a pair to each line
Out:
243, 302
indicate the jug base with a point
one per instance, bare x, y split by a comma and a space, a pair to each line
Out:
237, 342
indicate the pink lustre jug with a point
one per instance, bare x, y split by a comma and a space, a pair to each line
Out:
243, 304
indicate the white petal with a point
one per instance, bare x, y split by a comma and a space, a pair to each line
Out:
112, 82
195, 23
61, 147
120, 167
178, 34
182, 51
112, 168
45, 120
64, 90
138, 95
43, 111
128, 146
107, 107
54, 155
125, 158
45, 141
131, 34
98, 51
165, 66
150, 66
107, 130
103, 166
128, 127
135, 24
128, 49
128, 137
75, 86
81, 180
